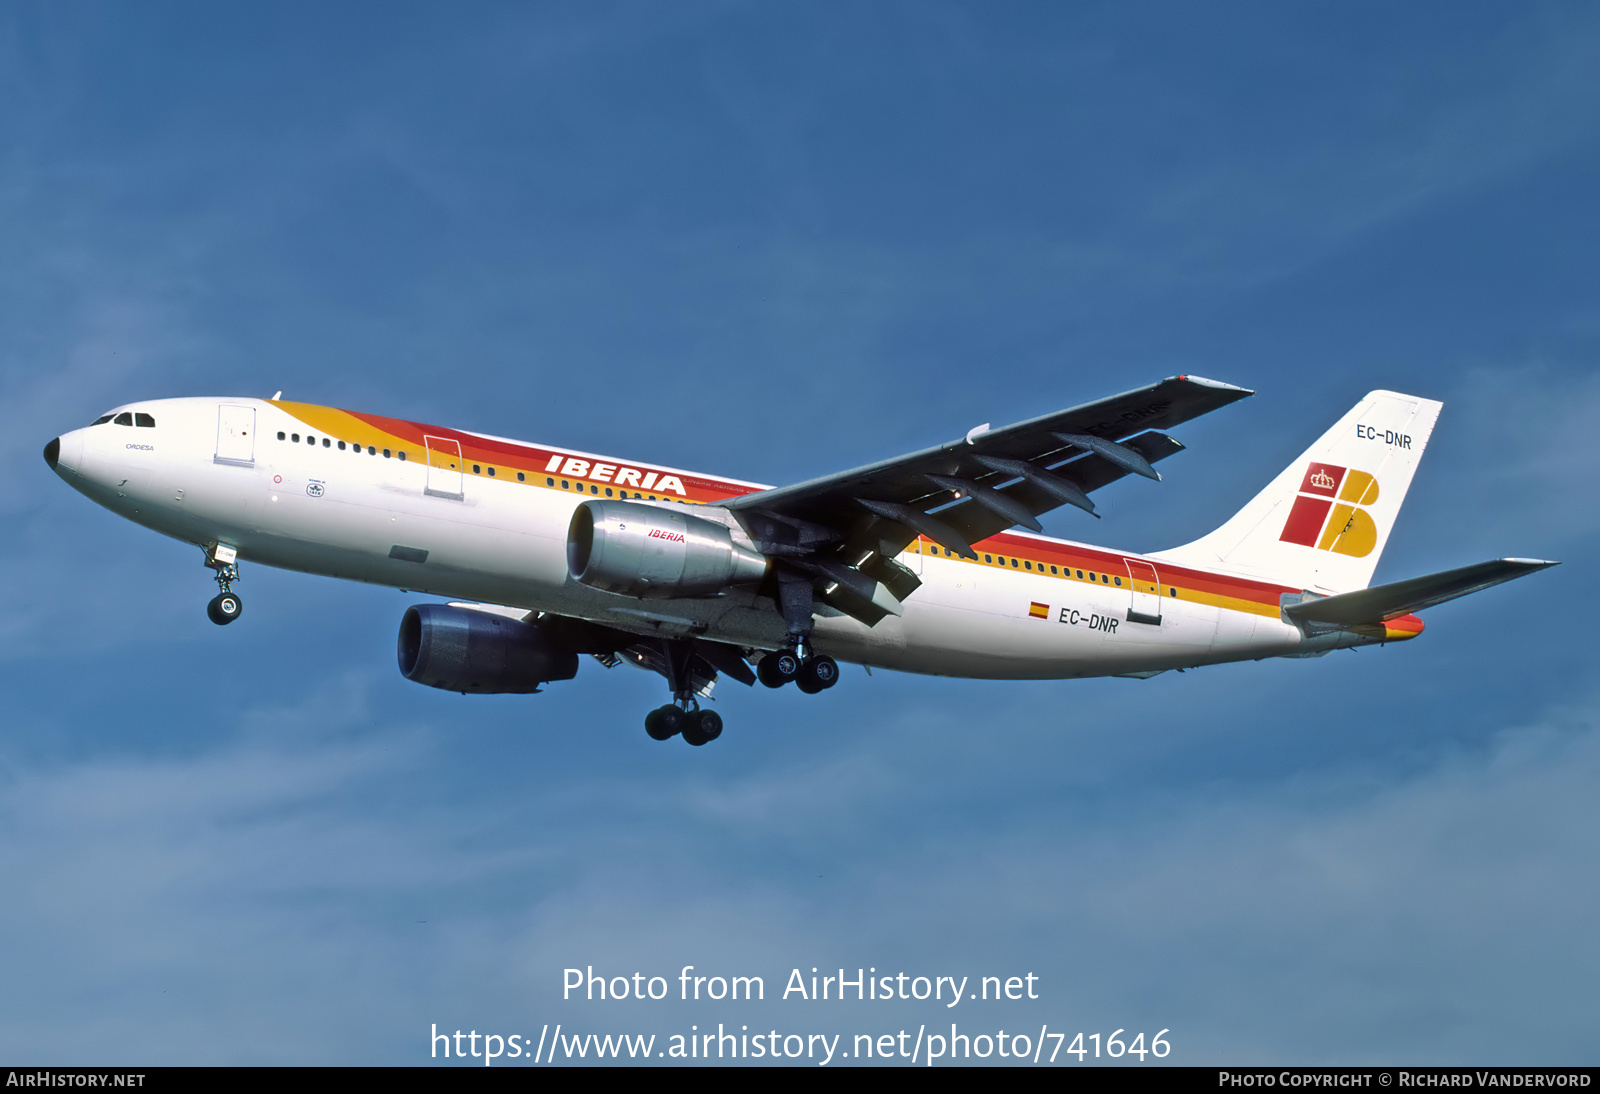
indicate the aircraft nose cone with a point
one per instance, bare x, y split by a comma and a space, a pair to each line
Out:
52, 453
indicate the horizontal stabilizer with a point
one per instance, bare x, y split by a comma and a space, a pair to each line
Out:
1404, 597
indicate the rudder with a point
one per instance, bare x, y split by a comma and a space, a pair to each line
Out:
1323, 522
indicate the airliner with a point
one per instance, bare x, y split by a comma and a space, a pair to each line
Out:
932, 562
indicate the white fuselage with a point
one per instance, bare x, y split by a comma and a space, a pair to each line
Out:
351, 513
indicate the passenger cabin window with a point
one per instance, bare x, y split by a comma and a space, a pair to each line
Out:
124, 418
141, 418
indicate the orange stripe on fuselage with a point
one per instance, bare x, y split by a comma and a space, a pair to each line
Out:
506, 457
509, 457
1195, 586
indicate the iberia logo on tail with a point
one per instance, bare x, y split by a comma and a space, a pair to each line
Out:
1329, 513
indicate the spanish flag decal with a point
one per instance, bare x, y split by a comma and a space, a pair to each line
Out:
1038, 610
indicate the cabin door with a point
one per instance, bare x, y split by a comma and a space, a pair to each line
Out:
236, 435
1146, 583
444, 467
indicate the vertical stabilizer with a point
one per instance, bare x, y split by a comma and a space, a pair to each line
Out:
1322, 523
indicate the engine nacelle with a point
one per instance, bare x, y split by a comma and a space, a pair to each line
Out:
459, 649
646, 551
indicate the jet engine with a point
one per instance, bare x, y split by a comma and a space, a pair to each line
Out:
459, 649
649, 551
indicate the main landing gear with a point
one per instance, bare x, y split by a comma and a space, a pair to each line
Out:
683, 715
226, 605
697, 726
811, 672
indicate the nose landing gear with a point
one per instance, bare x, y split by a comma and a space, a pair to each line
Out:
225, 607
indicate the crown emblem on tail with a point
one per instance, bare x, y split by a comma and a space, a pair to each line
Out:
1323, 480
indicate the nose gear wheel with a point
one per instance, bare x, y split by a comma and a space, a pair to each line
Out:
225, 607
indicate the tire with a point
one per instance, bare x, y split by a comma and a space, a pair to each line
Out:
817, 674
664, 723
778, 668
710, 725
224, 608
691, 731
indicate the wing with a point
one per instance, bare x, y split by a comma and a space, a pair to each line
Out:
842, 532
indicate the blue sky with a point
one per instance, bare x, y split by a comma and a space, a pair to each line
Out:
772, 241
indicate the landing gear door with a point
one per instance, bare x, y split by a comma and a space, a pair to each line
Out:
236, 435
444, 467
1146, 584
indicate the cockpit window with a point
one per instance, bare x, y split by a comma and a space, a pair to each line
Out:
141, 418
102, 420
125, 418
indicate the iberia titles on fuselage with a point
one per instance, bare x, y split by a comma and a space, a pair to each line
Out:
914, 564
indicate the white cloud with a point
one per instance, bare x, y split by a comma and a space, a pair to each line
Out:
315, 895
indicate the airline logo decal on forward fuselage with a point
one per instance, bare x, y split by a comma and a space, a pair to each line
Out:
624, 475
